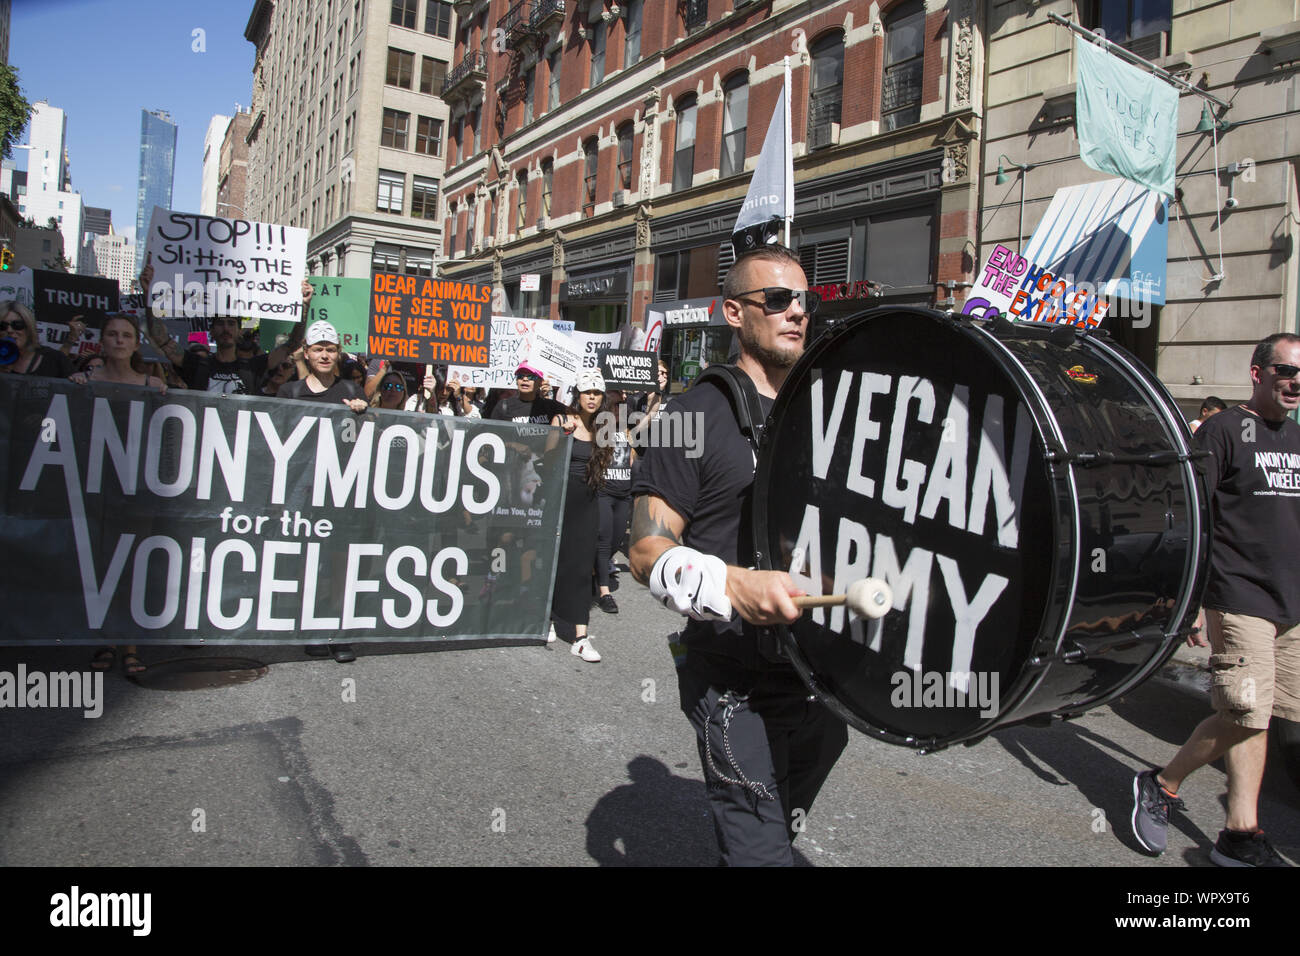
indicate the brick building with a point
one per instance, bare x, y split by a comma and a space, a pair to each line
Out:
232, 167
607, 148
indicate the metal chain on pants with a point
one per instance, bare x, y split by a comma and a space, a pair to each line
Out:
729, 708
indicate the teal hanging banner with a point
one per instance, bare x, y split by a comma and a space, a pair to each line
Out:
1127, 119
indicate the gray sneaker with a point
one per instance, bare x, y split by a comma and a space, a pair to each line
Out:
1151, 807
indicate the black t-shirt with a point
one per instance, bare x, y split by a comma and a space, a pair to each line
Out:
618, 476
538, 411
343, 388
50, 363
1254, 481
708, 480
208, 374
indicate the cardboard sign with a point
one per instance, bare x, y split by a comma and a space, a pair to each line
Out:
343, 303
429, 321
206, 266
511, 339
555, 355
635, 371
590, 345
16, 286
61, 296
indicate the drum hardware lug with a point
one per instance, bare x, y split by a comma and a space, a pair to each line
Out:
1077, 655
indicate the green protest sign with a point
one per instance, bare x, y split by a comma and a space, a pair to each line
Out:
343, 303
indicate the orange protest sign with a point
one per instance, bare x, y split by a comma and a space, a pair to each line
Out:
431, 321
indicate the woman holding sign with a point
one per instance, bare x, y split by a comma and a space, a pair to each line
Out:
119, 344
18, 326
571, 599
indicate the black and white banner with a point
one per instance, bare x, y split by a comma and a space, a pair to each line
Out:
133, 516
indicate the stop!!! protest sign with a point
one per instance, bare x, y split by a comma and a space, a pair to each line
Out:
430, 321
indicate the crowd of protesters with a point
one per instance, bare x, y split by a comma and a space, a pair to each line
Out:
309, 364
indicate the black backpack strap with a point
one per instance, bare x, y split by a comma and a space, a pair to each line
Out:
743, 396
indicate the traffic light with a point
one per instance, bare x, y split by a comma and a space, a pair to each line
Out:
6, 260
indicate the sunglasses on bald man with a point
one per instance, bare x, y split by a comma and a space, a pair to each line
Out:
777, 299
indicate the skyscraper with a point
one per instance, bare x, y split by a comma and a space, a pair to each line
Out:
157, 165
49, 179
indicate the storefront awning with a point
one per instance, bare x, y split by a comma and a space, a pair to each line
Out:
1112, 234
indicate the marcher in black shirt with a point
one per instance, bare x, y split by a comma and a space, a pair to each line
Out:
527, 406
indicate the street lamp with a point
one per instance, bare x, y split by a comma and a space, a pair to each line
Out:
1002, 178
228, 205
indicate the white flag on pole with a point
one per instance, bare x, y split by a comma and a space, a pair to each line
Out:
769, 205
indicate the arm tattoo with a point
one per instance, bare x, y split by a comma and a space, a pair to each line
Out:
647, 521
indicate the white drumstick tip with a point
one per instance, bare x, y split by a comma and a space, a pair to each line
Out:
870, 598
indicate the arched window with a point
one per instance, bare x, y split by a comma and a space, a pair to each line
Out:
735, 118
900, 103
625, 133
825, 93
684, 150
589, 155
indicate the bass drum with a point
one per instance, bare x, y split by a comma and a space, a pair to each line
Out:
1029, 494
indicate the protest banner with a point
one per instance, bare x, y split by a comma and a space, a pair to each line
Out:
163, 519
555, 355
429, 321
1097, 242
60, 297
512, 337
626, 369
206, 266
343, 303
590, 345
16, 286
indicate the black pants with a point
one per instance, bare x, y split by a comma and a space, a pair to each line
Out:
612, 538
766, 752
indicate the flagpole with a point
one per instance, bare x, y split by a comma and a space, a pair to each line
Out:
789, 158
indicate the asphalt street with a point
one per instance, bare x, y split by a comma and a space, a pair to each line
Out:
529, 756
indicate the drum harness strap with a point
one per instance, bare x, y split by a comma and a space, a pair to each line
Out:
743, 397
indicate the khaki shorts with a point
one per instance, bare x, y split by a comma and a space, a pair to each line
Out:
1255, 669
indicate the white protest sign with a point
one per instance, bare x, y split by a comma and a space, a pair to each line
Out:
208, 266
530, 282
511, 339
591, 345
17, 286
555, 355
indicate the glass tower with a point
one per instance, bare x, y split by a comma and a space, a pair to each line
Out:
157, 166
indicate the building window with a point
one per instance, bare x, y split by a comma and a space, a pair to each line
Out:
684, 150
437, 19
424, 197
338, 99
597, 53
394, 130
632, 41
347, 134
695, 13
419, 262
471, 224
428, 136
432, 73
553, 87
476, 121
625, 133
529, 77
386, 258
451, 230
826, 91
1140, 26
548, 179
735, 118
333, 148
900, 103
392, 190
403, 13
400, 67
521, 201
590, 155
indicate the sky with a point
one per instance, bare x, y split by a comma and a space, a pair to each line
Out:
103, 61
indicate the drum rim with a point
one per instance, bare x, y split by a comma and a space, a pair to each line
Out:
1033, 667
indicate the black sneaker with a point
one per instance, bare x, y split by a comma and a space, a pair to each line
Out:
1245, 849
613, 582
607, 604
1151, 812
343, 653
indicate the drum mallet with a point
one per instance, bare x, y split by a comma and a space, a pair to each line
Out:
869, 598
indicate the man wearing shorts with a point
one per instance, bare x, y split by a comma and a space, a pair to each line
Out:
1251, 607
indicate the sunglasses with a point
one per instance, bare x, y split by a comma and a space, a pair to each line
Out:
778, 299
20, 325
394, 387
529, 376
1283, 371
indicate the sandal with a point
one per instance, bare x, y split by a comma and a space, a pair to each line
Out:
104, 659
131, 665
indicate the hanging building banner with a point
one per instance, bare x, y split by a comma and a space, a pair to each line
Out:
1126, 119
205, 266
162, 519
1096, 243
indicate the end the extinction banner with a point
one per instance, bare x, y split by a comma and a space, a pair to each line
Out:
137, 517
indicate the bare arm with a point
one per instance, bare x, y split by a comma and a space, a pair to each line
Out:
760, 597
281, 352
